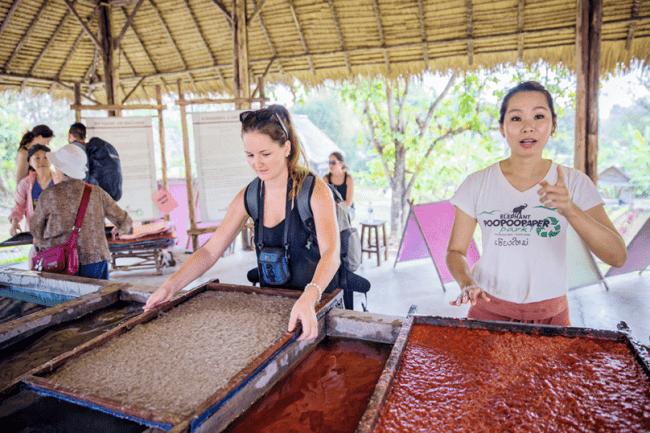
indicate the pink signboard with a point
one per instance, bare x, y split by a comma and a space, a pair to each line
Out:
638, 253
427, 234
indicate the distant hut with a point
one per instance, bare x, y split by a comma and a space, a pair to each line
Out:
615, 186
317, 145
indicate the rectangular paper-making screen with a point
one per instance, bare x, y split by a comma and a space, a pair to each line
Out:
462, 379
175, 362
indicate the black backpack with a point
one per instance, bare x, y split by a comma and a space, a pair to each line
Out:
348, 235
104, 167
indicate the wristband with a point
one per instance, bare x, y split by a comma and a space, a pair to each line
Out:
320, 291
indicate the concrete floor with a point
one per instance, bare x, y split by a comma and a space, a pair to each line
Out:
395, 289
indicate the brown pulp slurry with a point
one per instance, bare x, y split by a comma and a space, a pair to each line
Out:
176, 361
326, 392
49, 343
460, 379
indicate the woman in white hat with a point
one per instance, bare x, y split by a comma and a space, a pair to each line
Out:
57, 209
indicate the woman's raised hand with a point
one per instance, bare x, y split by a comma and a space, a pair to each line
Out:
556, 196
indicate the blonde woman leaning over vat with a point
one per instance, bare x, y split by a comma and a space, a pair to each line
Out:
273, 151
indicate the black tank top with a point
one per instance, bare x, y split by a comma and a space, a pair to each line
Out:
342, 188
303, 259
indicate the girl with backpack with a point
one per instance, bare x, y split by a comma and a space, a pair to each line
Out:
273, 151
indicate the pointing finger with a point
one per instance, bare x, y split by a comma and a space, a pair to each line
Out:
560, 176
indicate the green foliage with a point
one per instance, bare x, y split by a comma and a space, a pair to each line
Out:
632, 154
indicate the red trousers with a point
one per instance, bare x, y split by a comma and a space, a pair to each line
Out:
549, 312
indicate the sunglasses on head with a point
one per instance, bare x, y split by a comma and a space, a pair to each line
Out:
263, 115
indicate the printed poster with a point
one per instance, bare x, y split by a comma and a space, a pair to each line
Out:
221, 162
133, 139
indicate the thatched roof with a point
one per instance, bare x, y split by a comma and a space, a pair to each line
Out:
44, 45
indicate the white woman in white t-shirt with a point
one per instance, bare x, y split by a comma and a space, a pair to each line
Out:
524, 205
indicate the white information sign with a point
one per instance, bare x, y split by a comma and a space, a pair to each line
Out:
133, 139
221, 162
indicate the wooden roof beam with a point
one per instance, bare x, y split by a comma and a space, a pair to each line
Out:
632, 28
22, 41
224, 11
83, 24
117, 41
302, 36
258, 9
206, 46
49, 42
168, 33
270, 42
520, 28
340, 35
76, 44
380, 29
137, 38
423, 33
470, 32
39, 79
126, 98
171, 39
12, 9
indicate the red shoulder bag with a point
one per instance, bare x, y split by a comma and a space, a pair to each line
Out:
64, 258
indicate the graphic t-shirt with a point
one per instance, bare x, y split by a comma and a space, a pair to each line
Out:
524, 243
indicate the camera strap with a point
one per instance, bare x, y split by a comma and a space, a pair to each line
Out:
287, 218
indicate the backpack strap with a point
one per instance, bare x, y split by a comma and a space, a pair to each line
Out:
304, 207
250, 198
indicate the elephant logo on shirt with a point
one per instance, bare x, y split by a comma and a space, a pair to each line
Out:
518, 209
549, 230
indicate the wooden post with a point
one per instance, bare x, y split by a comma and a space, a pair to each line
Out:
588, 35
161, 137
188, 169
106, 39
77, 102
240, 55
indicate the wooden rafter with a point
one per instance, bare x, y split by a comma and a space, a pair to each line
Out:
12, 9
520, 29
206, 45
83, 24
380, 29
11, 58
126, 98
632, 28
259, 88
224, 11
118, 40
76, 44
423, 32
470, 32
270, 42
302, 36
258, 9
340, 35
139, 39
168, 33
49, 42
